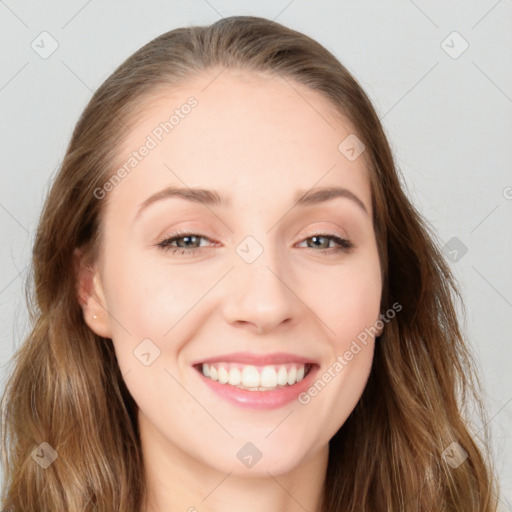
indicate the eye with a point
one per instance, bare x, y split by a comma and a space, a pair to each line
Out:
323, 242
183, 242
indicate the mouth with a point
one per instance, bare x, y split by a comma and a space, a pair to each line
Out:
257, 381
253, 377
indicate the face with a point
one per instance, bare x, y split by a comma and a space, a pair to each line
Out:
265, 278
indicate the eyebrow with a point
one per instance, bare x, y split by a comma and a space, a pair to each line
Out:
214, 198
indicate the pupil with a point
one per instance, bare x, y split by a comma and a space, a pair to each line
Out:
316, 238
186, 239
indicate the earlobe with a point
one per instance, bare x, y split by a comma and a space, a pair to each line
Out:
90, 295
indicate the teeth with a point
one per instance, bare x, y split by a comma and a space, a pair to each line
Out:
256, 379
235, 377
268, 377
292, 376
250, 377
223, 375
282, 376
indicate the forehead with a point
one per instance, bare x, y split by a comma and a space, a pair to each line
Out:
249, 135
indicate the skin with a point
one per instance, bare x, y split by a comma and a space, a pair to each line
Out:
257, 141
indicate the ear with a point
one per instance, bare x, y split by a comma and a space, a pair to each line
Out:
90, 295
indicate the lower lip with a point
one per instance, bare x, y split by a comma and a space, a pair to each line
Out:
260, 399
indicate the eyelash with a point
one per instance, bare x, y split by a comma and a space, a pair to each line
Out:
344, 245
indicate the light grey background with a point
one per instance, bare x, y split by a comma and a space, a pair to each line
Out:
448, 120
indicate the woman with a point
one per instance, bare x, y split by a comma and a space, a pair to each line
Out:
237, 305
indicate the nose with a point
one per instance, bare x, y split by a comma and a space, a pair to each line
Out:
261, 297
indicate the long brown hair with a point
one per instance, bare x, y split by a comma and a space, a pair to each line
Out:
67, 390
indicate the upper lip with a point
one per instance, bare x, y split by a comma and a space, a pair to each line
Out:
258, 359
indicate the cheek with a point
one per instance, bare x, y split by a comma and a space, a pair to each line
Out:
353, 308
347, 298
160, 302
150, 299
350, 312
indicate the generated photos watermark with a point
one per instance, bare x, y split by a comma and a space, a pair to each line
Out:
344, 359
153, 139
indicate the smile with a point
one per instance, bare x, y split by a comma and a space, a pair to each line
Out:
255, 378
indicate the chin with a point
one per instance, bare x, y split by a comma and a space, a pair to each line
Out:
258, 458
